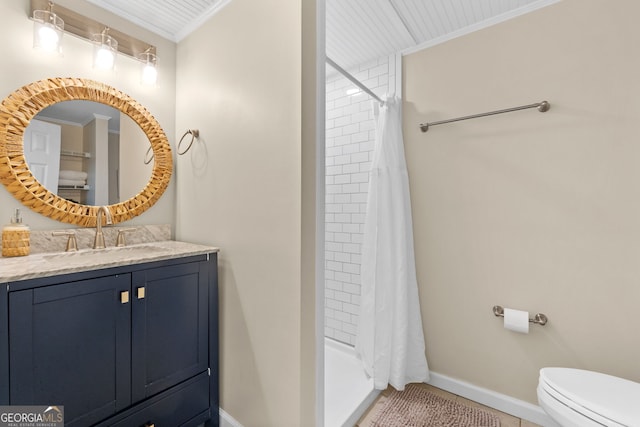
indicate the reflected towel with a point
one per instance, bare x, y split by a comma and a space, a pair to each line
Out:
75, 182
75, 175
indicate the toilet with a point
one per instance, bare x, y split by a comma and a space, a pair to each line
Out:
578, 398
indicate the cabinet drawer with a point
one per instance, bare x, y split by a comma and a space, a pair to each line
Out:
175, 408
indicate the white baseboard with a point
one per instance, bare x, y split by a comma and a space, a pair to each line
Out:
502, 402
227, 420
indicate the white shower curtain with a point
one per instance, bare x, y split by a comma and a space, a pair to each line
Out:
390, 341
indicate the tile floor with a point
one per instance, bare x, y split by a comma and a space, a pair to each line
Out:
506, 420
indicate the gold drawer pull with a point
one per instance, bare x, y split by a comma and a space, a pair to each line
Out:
141, 292
124, 297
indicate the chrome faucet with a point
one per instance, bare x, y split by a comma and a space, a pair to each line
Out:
98, 242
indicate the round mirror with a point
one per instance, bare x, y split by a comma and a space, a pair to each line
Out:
127, 186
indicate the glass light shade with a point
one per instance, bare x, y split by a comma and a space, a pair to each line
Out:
47, 31
149, 68
105, 49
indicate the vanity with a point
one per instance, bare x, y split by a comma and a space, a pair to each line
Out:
119, 337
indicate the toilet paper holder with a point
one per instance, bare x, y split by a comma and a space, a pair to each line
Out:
539, 318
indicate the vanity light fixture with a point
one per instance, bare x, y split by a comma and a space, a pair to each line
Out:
105, 49
47, 30
149, 68
108, 42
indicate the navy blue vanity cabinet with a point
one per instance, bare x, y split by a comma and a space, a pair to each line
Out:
128, 346
68, 338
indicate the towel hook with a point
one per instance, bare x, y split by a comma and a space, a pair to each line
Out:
195, 133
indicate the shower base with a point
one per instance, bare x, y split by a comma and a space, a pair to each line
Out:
347, 390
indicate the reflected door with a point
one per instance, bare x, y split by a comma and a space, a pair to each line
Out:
42, 151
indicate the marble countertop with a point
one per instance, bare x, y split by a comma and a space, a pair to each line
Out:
55, 263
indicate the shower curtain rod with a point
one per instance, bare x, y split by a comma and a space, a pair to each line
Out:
541, 106
354, 80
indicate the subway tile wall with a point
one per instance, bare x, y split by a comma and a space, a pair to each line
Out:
350, 135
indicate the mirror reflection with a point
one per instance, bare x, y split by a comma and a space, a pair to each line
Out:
87, 152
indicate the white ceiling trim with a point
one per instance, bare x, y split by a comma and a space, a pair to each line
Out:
480, 25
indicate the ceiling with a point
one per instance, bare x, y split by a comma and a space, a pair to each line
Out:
357, 31
171, 19
80, 113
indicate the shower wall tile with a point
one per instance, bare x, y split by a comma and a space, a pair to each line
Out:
350, 134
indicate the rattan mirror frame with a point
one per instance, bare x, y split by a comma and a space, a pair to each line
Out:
17, 110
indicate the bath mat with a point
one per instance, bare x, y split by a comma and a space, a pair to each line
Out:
418, 407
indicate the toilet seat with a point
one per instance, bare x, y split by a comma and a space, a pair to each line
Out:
585, 398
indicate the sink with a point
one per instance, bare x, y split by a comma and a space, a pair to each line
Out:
104, 256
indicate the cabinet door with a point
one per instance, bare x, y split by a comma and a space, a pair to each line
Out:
70, 345
169, 327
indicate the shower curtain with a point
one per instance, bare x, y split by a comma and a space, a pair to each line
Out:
390, 341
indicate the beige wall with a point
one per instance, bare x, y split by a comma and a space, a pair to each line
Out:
21, 64
239, 82
533, 211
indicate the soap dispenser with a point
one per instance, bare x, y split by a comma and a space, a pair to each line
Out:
15, 237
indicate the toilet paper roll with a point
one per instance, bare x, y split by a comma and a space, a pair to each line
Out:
516, 320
